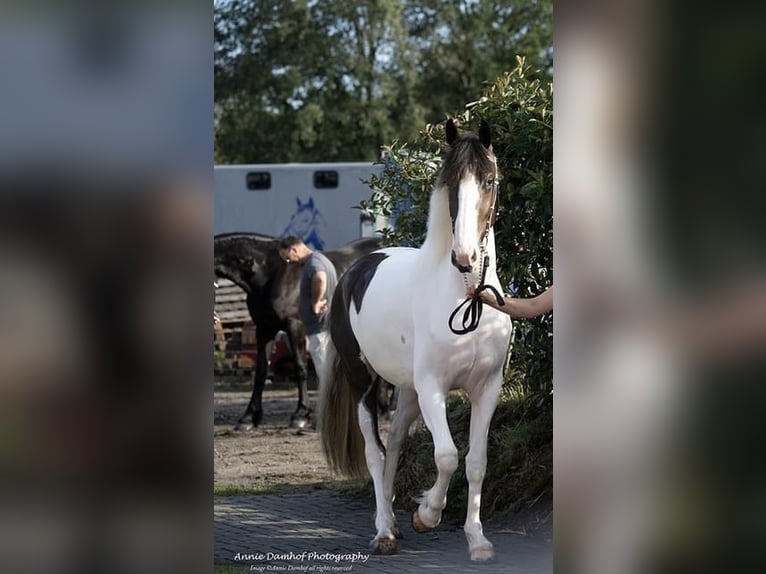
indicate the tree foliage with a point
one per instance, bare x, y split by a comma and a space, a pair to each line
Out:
311, 81
319, 80
519, 109
464, 45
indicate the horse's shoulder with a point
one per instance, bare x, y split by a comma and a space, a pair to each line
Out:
359, 276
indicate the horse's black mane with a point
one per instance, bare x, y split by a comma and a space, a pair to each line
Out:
244, 242
245, 235
348, 250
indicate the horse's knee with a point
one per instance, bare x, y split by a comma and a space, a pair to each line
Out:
446, 460
475, 469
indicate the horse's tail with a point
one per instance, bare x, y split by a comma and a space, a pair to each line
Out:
341, 439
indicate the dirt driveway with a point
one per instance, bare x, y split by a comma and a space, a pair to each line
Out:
272, 454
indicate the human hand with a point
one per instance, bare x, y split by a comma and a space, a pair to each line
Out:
486, 296
320, 307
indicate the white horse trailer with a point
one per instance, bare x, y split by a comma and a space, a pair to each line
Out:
314, 201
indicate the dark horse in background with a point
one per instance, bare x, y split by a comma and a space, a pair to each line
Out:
252, 262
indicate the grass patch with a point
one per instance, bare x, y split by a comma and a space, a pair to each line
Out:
519, 458
239, 489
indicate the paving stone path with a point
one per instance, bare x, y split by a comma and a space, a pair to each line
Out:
325, 532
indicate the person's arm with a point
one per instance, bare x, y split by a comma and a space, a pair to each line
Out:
520, 308
318, 291
539, 305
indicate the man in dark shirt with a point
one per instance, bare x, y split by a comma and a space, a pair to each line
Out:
318, 283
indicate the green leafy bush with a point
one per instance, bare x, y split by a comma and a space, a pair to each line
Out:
519, 109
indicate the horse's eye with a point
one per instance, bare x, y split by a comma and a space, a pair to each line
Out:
490, 181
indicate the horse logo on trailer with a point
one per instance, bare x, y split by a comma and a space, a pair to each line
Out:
307, 223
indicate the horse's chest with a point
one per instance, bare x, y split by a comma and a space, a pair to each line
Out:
479, 354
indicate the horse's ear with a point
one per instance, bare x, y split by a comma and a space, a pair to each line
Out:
298, 201
485, 135
310, 203
451, 131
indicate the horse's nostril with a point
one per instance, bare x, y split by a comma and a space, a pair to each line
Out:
474, 256
460, 267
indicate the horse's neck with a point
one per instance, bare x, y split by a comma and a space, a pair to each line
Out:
438, 242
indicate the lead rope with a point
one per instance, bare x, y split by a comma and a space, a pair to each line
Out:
472, 313
475, 305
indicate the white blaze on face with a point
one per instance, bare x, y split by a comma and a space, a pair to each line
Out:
465, 242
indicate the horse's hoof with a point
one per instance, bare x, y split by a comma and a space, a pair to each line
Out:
417, 524
299, 422
383, 545
483, 553
249, 421
397, 532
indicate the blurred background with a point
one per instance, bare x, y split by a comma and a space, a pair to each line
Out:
659, 338
105, 219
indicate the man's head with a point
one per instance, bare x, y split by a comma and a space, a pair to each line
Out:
293, 250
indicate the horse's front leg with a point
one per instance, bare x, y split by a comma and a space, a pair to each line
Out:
483, 404
432, 400
255, 406
302, 415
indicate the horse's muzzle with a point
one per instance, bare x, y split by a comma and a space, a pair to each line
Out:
461, 268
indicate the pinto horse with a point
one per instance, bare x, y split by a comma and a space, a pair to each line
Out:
391, 318
252, 261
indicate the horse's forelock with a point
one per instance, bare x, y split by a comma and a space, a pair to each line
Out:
467, 155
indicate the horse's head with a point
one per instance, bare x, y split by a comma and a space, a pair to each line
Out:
243, 259
470, 175
304, 218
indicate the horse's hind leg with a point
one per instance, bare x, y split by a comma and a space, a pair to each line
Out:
483, 406
255, 406
406, 412
385, 538
297, 340
432, 399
